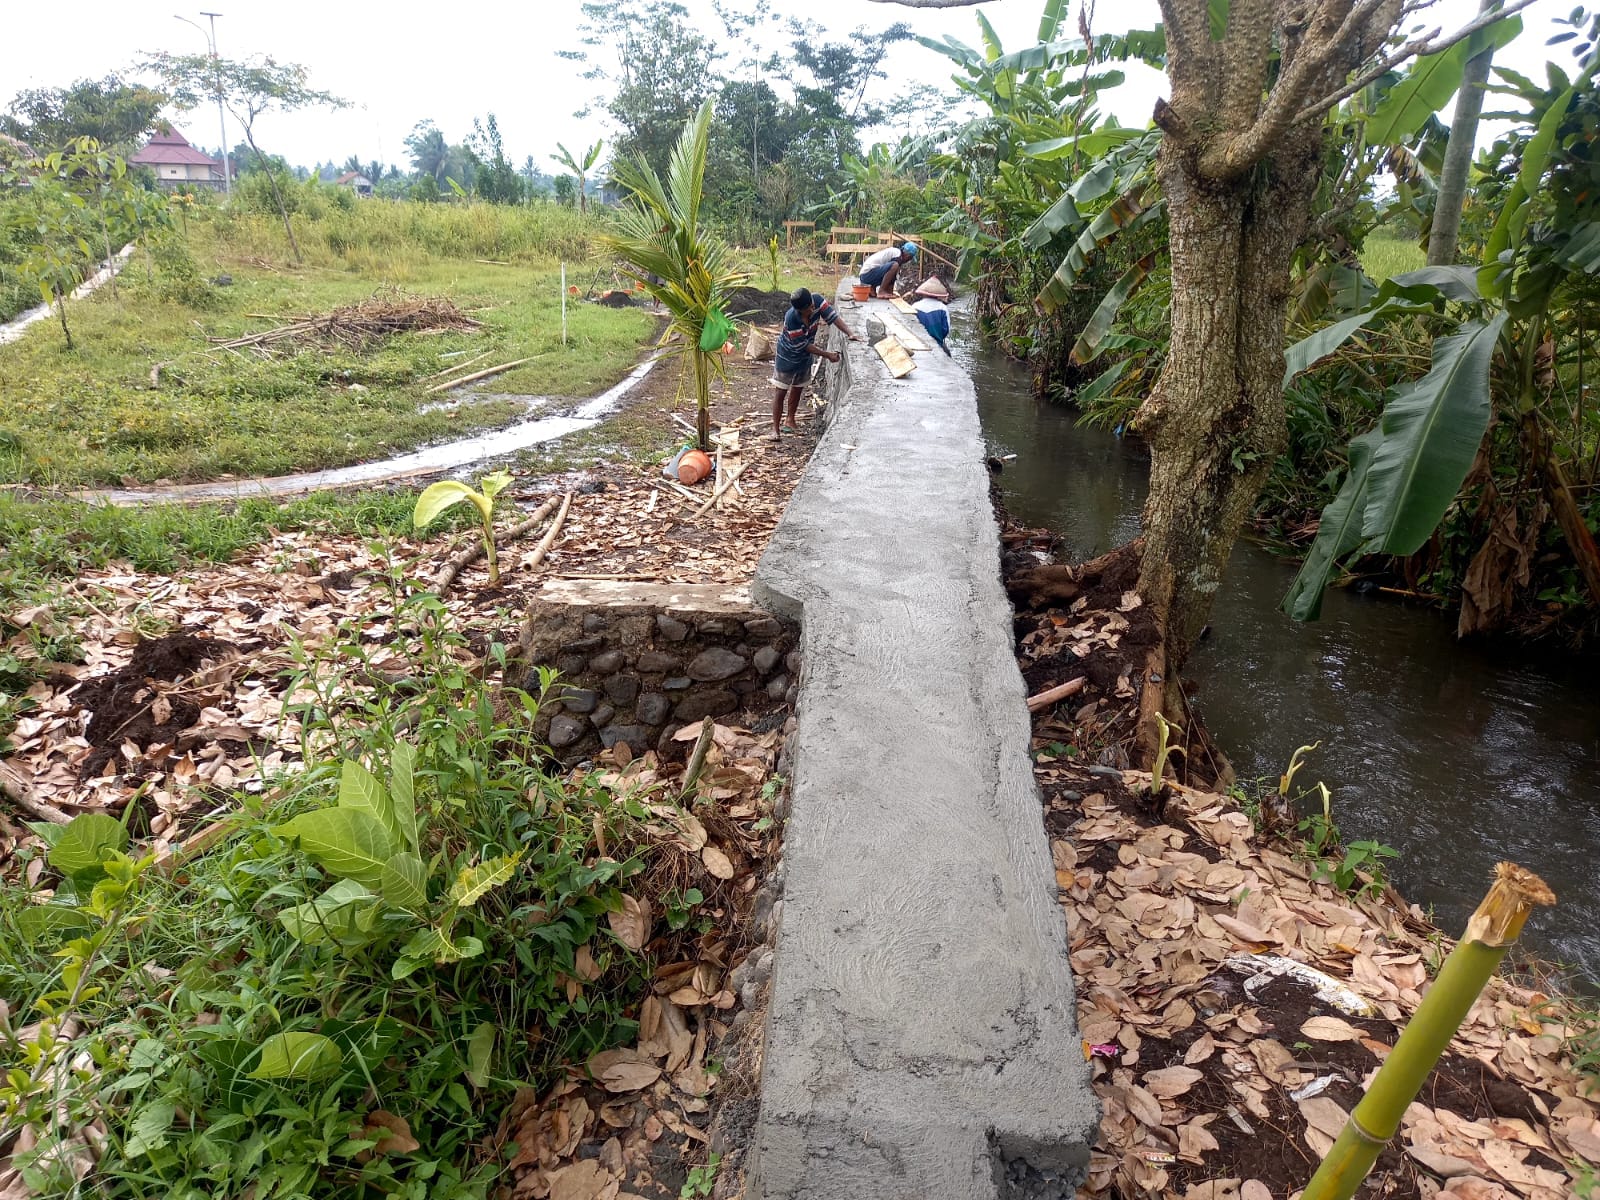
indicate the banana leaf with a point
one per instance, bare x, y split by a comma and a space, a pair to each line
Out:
1063, 214
1092, 340
1431, 432
1338, 534
1125, 213
1430, 83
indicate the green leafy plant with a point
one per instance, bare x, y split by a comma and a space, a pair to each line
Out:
680, 263
701, 1180
447, 493
772, 260
1164, 750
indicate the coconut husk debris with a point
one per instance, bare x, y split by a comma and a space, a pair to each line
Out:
1233, 1005
359, 326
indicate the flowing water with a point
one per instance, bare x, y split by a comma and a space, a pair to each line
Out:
1457, 755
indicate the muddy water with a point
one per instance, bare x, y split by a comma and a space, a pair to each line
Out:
1456, 755
541, 425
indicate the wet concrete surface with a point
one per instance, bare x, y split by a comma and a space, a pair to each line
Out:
922, 1041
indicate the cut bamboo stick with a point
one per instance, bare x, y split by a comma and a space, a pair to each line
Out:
21, 793
454, 367
477, 550
733, 475
1050, 695
550, 536
476, 375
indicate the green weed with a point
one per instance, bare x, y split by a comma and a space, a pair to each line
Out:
416, 929
701, 1180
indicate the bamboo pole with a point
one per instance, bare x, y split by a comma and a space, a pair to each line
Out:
454, 367
1050, 695
1490, 932
479, 548
476, 375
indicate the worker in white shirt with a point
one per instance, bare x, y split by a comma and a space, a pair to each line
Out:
880, 269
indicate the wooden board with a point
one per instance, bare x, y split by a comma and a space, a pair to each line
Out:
911, 339
856, 247
895, 356
903, 304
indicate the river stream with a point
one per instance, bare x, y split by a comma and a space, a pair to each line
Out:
1455, 754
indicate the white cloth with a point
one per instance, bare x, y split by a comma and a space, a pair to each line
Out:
883, 258
929, 304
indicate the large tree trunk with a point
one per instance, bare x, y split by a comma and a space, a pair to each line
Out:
1215, 421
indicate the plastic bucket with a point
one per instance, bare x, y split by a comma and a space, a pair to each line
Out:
860, 291
693, 467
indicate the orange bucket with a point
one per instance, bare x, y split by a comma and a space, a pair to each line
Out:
861, 291
693, 467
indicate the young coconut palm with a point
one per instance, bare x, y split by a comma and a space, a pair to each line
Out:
684, 267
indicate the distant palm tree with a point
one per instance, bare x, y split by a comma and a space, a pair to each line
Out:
680, 264
580, 168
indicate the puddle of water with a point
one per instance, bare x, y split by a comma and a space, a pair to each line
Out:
427, 461
1456, 754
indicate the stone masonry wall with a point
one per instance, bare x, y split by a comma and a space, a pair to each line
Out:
639, 661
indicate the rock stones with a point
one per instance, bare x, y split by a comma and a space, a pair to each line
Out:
653, 708
578, 700
653, 661
604, 664
565, 730
622, 689
716, 663
637, 736
708, 702
671, 628
765, 659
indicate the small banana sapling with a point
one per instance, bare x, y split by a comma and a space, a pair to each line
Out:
449, 492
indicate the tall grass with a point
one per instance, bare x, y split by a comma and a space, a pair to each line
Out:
1384, 255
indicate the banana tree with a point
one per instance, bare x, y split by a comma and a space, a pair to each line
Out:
680, 263
1494, 358
580, 166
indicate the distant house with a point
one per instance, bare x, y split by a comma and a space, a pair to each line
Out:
176, 163
356, 182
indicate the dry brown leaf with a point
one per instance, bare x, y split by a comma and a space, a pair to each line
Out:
1254, 1189
1331, 1029
716, 862
1213, 1189
583, 1180
1470, 1187
1583, 1135
1171, 1081
1203, 1048
1144, 1107
623, 1070
632, 923
1194, 1140
1324, 1122
392, 1132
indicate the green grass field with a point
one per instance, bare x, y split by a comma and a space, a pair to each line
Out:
92, 415
1383, 255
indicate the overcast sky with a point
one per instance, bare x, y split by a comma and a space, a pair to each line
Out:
401, 62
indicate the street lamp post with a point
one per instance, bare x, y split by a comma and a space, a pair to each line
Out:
222, 122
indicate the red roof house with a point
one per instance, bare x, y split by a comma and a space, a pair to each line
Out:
177, 163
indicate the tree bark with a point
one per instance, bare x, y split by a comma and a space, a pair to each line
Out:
1215, 421
1452, 193
61, 308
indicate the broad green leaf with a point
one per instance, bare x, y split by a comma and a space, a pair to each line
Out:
85, 842
405, 882
51, 923
1430, 83
474, 883
351, 844
297, 1056
1431, 432
494, 483
1063, 214
433, 945
1453, 283
991, 40
480, 1054
1536, 152
148, 1130
1090, 341
1050, 19
1125, 213
402, 792
1317, 346
1217, 18
360, 791
437, 497
336, 914
1338, 533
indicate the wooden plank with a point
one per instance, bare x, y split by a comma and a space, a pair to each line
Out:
856, 247
903, 304
895, 356
912, 340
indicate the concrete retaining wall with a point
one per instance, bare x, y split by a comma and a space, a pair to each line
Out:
921, 1040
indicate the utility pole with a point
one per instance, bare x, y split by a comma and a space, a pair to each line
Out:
222, 121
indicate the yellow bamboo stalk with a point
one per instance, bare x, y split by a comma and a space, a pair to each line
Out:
1490, 932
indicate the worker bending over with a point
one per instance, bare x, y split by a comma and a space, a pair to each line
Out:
792, 365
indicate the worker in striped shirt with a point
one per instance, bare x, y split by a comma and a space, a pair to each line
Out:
792, 365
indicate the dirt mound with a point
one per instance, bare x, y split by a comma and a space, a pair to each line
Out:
129, 705
757, 306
